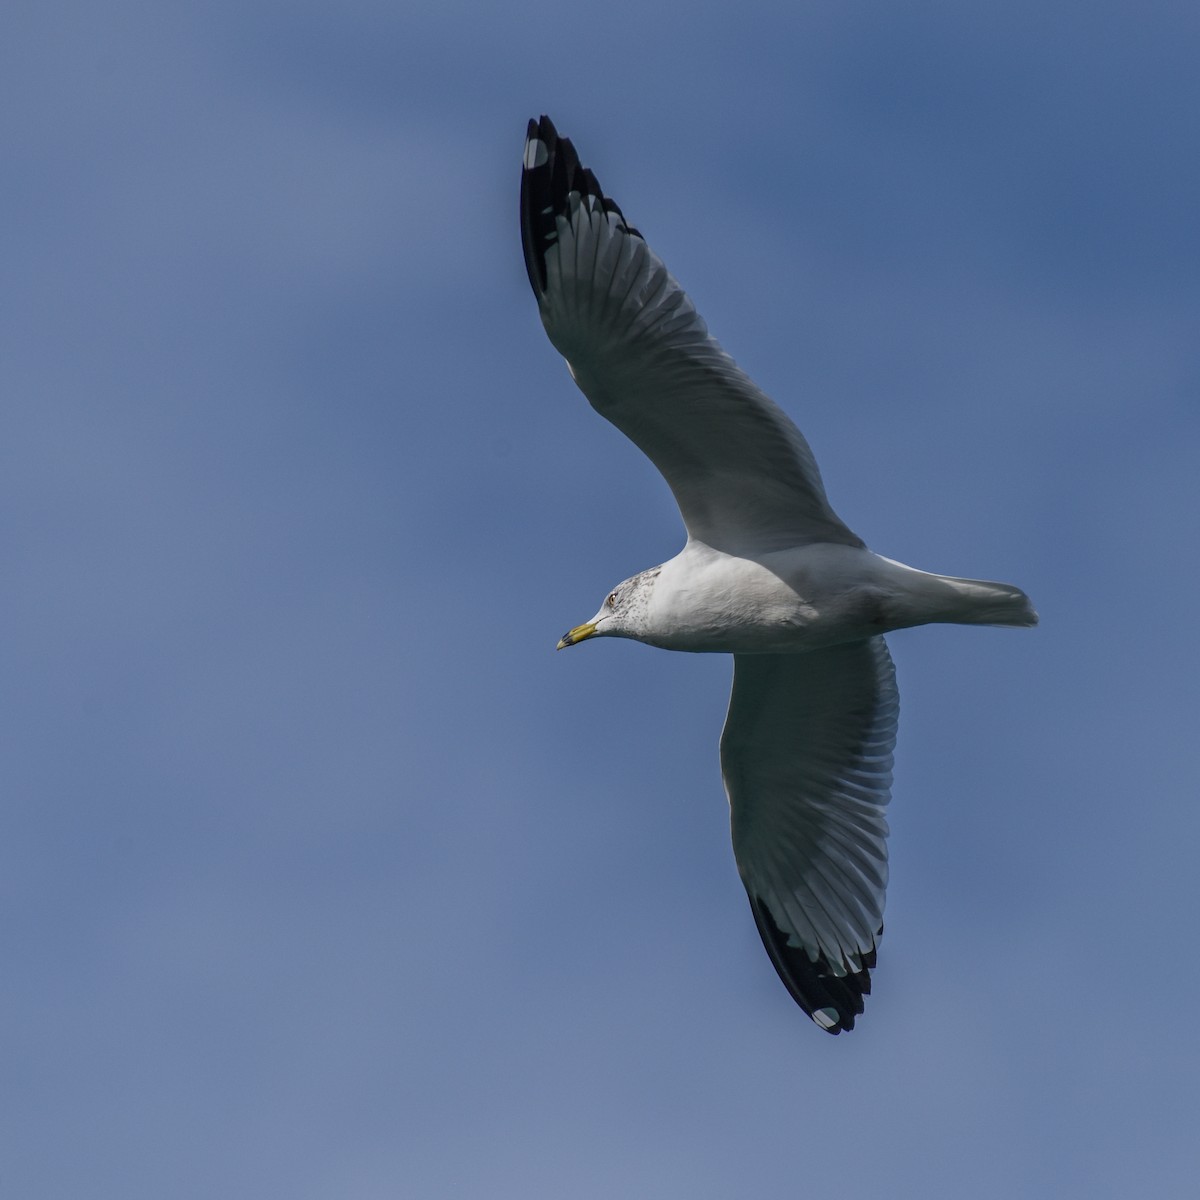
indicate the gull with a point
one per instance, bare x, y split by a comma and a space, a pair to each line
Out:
769, 574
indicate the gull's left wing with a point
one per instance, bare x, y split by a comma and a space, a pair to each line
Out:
741, 472
807, 760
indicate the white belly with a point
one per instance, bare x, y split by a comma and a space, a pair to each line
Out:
793, 600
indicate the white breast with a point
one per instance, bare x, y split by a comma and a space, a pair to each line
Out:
791, 600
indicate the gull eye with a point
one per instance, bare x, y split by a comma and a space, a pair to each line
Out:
612, 599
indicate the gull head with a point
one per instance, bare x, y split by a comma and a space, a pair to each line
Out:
623, 613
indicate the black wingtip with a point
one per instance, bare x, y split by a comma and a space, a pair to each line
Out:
832, 1001
551, 171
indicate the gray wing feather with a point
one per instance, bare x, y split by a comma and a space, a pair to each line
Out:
807, 760
741, 472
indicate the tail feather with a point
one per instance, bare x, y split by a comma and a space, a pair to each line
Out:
985, 602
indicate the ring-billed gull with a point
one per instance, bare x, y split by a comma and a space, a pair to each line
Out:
769, 574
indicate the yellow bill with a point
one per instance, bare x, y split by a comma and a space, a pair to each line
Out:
578, 634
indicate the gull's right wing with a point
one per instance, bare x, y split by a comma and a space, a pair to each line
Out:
807, 760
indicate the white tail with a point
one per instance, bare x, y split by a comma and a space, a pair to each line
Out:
983, 602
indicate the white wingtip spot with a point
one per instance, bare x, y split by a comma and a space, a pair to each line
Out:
535, 153
827, 1018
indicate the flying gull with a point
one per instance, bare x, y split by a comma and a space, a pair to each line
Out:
769, 574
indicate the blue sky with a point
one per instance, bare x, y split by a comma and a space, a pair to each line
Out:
322, 874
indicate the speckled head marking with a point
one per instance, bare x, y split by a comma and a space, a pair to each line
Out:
623, 613
628, 601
